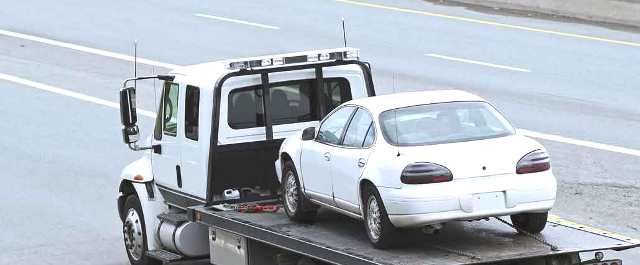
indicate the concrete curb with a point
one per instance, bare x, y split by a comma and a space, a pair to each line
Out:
625, 12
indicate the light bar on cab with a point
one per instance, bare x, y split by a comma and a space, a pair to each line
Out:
296, 58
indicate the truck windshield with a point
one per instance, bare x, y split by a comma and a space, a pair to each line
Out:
443, 123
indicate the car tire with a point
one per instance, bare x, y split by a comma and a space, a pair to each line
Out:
530, 222
134, 233
296, 205
381, 232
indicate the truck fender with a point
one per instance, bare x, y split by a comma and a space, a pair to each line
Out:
138, 171
151, 201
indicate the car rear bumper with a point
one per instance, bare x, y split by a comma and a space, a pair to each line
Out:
467, 199
415, 220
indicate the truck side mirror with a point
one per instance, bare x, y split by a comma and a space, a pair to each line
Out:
128, 116
128, 107
309, 134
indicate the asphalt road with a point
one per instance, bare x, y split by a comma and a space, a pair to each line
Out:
62, 156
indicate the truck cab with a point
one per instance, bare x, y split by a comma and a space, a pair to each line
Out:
218, 128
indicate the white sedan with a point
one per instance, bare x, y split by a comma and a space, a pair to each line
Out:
416, 159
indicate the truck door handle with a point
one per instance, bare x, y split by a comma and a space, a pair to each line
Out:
178, 176
362, 162
327, 156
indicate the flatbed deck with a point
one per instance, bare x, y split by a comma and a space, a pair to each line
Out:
337, 239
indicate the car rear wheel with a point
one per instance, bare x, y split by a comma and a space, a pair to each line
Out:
296, 205
530, 222
380, 230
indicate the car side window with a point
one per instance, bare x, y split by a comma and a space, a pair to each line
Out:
170, 110
358, 128
331, 129
191, 106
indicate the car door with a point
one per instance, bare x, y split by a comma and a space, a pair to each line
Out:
166, 159
316, 155
348, 164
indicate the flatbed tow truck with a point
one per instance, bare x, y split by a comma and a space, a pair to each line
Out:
206, 188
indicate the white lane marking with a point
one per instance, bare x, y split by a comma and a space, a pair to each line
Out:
479, 63
594, 145
86, 49
237, 21
69, 93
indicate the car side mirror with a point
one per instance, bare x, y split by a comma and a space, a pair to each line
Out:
128, 116
309, 134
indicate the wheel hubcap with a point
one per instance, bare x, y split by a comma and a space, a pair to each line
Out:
132, 230
374, 222
291, 193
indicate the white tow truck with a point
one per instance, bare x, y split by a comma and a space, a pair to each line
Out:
206, 186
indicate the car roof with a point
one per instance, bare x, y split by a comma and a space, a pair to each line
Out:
382, 103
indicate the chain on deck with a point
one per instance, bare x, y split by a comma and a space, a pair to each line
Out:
530, 235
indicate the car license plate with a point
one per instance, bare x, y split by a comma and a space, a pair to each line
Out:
488, 201
604, 262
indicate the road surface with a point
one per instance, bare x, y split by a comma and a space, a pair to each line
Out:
573, 86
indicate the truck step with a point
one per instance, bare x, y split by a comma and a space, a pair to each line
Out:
175, 218
163, 255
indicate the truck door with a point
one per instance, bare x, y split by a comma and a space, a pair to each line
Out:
192, 167
166, 160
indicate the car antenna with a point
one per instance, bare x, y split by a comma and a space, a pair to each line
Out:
344, 33
395, 114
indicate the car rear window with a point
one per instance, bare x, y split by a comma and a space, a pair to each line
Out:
443, 123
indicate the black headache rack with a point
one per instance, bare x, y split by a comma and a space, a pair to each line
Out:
337, 239
226, 161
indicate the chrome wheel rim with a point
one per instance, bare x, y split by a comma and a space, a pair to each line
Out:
132, 230
374, 222
291, 193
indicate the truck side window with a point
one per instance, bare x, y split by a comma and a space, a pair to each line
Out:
291, 102
192, 105
157, 130
170, 110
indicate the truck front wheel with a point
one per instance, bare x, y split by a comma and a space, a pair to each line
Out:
133, 229
530, 222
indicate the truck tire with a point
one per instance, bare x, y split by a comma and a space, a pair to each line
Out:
133, 229
296, 205
530, 222
380, 230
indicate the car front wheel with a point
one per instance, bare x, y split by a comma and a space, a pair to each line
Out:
296, 205
380, 230
530, 222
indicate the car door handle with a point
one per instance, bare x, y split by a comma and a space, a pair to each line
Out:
327, 156
362, 162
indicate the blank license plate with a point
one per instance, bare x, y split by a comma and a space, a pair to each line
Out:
488, 201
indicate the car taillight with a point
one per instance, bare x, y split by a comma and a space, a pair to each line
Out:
535, 161
424, 173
